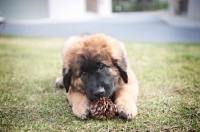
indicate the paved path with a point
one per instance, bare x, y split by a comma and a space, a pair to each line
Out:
138, 27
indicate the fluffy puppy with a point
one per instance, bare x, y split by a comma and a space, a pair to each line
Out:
96, 66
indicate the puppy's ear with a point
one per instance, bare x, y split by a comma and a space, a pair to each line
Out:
121, 66
67, 79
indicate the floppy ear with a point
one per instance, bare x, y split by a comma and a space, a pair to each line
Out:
121, 66
67, 79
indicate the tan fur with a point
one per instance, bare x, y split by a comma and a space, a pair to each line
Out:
79, 103
103, 48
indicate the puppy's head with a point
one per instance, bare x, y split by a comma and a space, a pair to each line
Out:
96, 67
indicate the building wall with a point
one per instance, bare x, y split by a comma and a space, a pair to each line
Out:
170, 6
194, 9
178, 7
23, 9
54, 9
104, 7
66, 8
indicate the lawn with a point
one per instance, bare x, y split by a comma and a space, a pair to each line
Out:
168, 74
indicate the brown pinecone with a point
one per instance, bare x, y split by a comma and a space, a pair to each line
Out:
102, 109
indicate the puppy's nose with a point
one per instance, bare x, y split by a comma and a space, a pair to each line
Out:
99, 92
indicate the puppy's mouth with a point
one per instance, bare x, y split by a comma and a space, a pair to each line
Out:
101, 96
98, 97
95, 94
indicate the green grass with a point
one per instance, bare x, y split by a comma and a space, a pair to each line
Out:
169, 77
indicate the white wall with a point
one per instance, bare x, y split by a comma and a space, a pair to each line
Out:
194, 9
66, 8
23, 9
171, 6
104, 7
54, 9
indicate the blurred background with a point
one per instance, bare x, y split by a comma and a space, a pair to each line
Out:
128, 20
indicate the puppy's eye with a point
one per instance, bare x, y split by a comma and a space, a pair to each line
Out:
83, 73
101, 66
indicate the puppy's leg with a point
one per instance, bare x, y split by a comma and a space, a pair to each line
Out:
125, 101
59, 82
79, 103
126, 98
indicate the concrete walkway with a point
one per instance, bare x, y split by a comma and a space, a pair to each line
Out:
137, 27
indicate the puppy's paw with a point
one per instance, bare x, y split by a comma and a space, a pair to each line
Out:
126, 109
81, 109
59, 82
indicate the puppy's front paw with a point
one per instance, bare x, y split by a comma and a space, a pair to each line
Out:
81, 109
59, 82
126, 109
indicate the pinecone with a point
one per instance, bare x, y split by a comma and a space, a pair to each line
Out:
102, 109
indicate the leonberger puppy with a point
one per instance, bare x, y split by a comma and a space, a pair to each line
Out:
96, 66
